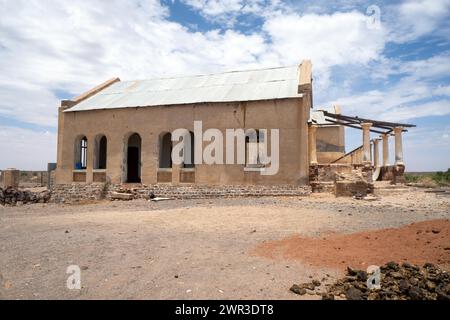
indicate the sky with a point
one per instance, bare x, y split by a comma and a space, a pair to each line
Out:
386, 60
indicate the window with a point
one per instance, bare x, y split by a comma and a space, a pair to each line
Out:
253, 139
81, 153
190, 156
165, 151
100, 152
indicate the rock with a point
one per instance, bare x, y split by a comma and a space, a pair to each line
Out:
396, 275
404, 285
361, 276
405, 282
353, 294
121, 196
316, 283
327, 297
415, 293
351, 272
310, 292
298, 290
393, 266
308, 286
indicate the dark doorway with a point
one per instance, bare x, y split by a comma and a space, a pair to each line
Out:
133, 163
134, 159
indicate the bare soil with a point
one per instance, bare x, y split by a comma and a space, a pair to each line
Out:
196, 249
416, 243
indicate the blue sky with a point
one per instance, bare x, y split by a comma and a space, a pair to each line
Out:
391, 62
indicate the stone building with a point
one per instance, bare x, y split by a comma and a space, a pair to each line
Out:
120, 131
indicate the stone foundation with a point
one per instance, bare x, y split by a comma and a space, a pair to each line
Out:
70, 193
85, 192
204, 192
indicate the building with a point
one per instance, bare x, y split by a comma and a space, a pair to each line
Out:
120, 131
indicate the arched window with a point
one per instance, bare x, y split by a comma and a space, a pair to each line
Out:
252, 140
165, 151
190, 163
133, 174
81, 145
101, 144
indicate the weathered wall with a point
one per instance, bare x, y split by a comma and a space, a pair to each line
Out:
75, 192
330, 143
288, 115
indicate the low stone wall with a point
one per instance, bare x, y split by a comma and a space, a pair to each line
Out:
70, 193
83, 192
202, 192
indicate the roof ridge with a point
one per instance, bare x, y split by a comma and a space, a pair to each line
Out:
209, 74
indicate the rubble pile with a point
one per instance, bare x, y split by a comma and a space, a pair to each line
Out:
405, 282
355, 183
12, 196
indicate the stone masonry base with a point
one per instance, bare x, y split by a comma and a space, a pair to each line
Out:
97, 191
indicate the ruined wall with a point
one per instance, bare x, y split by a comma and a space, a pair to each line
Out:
288, 115
330, 141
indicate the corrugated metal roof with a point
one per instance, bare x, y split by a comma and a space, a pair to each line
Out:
263, 84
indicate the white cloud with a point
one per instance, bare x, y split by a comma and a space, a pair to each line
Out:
26, 149
415, 18
442, 91
72, 46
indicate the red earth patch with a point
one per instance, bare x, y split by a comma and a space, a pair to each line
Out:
416, 243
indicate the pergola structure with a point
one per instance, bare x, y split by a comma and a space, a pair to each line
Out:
384, 128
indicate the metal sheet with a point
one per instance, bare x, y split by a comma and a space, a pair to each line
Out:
252, 85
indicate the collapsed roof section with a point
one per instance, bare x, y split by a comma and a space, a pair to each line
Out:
327, 118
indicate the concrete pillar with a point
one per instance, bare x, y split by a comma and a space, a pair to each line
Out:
376, 153
385, 138
312, 144
366, 142
398, 146
176, 170
90, 160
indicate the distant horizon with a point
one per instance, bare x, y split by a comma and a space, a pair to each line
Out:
389, 61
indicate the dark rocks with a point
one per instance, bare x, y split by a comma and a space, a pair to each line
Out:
353, 294
11, 196
298, 290
316, 283
306, 288
405, 282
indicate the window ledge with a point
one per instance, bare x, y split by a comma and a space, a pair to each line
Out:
188, 169
99, 170
79, 170
254, 169
164, 169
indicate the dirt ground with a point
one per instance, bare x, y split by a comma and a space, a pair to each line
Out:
205, 249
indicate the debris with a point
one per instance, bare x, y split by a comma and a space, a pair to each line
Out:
13, 196
121, 196
405, 282
298, 290
161, 199
306, 288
